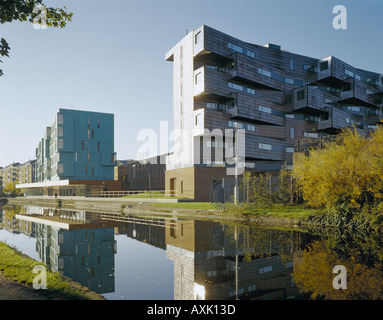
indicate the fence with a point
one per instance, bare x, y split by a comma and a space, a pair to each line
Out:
145, 194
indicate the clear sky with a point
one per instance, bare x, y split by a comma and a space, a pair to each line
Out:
111, 58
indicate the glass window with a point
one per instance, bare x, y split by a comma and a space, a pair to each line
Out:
235, 86
290, 150
264, 72
234, 47
291, 132
264, 146
264, 109
60, 144
60, 131
60, 119
291, 64
323, 65
300, 95
197, 37
250, 90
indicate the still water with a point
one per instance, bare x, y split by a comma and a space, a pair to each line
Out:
127, 257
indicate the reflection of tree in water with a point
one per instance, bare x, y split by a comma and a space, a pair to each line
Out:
313, 274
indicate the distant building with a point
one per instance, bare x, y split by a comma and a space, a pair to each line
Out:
148, 174
77, 150
10, 173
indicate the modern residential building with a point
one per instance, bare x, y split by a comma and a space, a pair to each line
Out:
27, 172
10, 173
76, 150
276, 96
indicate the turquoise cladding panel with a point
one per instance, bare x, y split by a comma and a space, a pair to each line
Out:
88, 146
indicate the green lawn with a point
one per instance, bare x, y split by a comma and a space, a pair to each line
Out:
20, 268
282, 211
186, 205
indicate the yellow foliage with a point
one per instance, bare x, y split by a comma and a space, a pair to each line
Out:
313, 274
348, 171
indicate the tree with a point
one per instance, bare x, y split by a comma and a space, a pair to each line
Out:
344, 174
30, 11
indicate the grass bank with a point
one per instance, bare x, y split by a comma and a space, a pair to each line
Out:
277, 211
19, 268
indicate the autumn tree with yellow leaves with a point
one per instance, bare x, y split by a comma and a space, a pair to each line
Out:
347, 173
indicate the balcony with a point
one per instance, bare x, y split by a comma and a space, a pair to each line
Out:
331, 72
309, 100
210, 83
253, 73
337, 120
256, 111
356, 92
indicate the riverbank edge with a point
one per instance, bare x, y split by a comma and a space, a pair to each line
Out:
124, 206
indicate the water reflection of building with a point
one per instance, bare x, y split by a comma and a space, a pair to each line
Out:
75, 244
208, 265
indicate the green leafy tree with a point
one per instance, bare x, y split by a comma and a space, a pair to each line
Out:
22, 10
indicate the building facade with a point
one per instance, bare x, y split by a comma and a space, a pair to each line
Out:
17, 173
139, 175
275, 97
76, 151
78, 145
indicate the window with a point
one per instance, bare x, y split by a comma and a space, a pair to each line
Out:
355, 109
235, 86
75, 157
349, 73
300, 95
88, 122
264, 146
292, 132
82, 145
289, 81
98, 146
88, 134
92, 134
60, 131
311, 135
92, 169
86, 145
251, 288
234, 47
251, 54
264, 109
250, 90
291, 64
323, 65
264, 72
289, 149
98, 123
86, 169
197, 37
60, 168
289, 115
250, 127
197, 77
60, 144
265, 269
88, 157
60, 119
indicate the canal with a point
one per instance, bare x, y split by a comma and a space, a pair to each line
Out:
131, 257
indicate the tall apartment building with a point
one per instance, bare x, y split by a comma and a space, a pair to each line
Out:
77, 149
277, 97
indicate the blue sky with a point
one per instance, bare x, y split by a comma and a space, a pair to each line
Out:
111, 58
